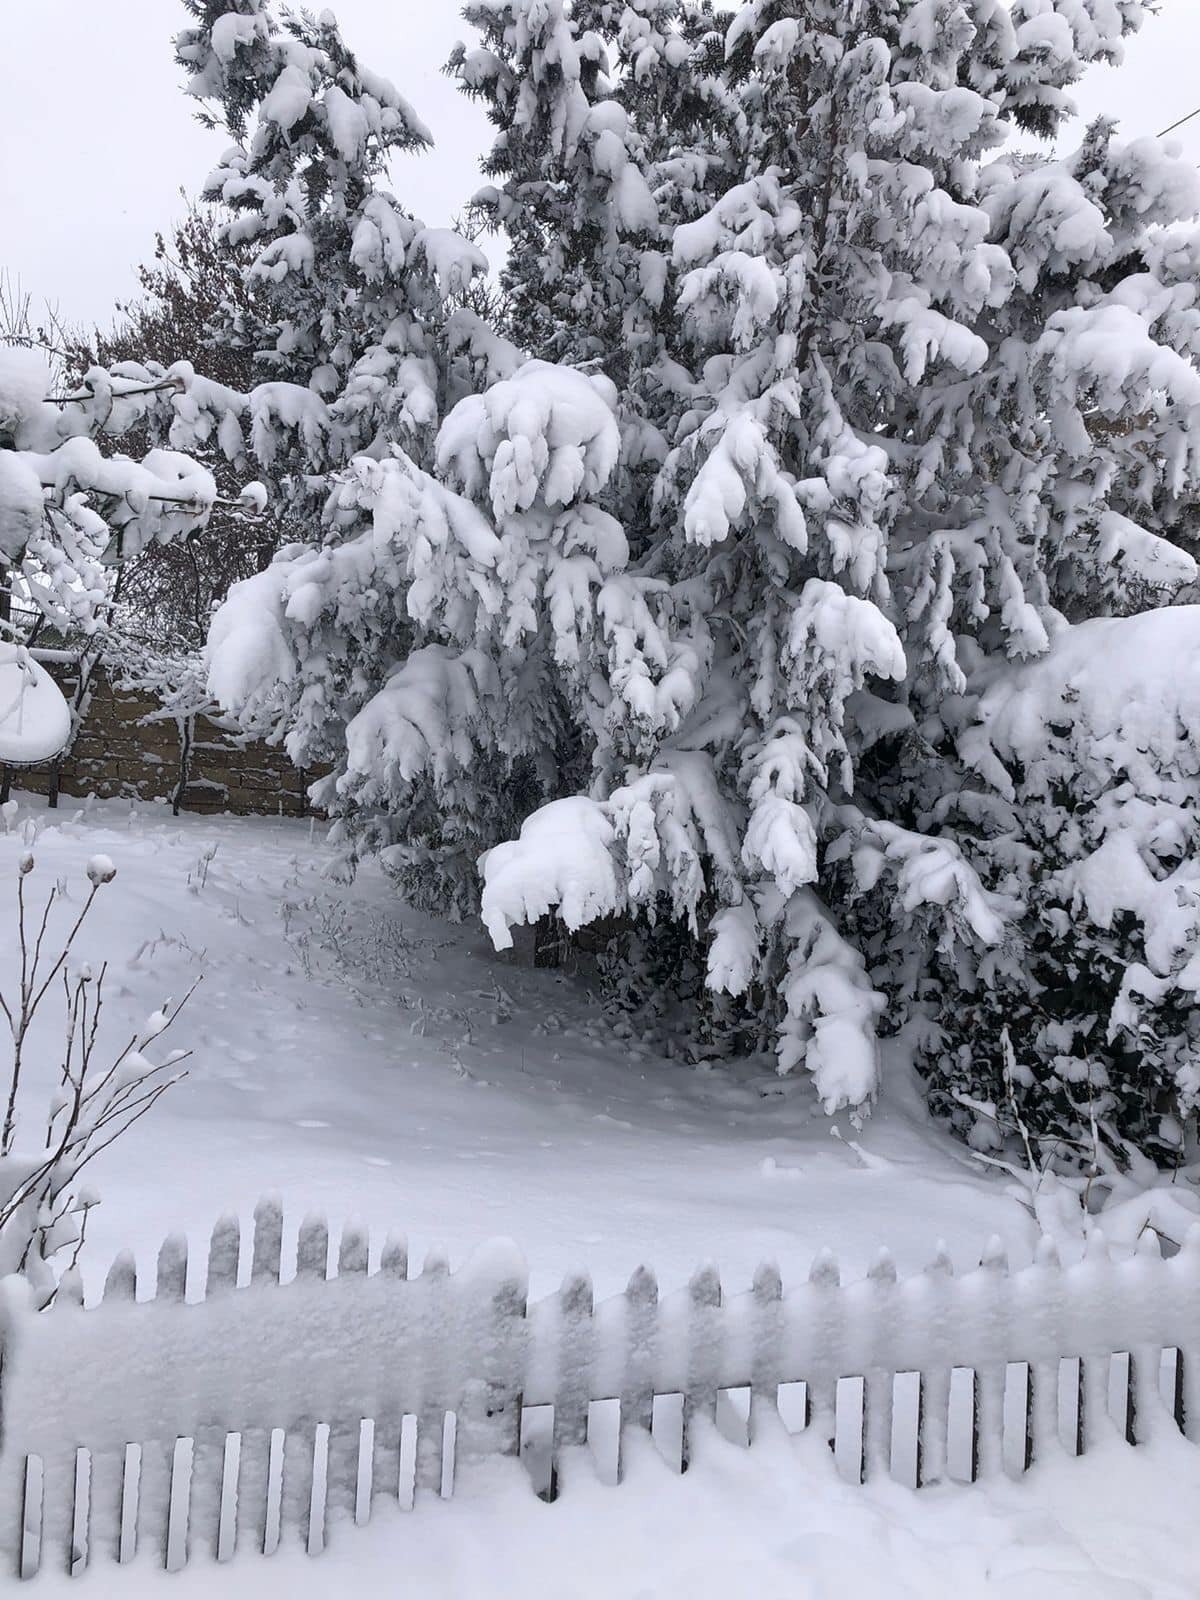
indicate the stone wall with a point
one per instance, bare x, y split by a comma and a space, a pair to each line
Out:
127, 749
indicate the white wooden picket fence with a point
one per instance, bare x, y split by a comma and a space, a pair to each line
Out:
214, 1418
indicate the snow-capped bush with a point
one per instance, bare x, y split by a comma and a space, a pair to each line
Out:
1086, 1024
71, 507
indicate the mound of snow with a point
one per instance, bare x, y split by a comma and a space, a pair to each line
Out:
35, 720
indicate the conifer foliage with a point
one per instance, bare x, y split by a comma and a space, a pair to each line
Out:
758, 582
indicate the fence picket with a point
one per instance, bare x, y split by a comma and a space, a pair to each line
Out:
57, 1510
1094, 1278
154, 1497
932, 1295
433, 1354
106, 1504
224, 1248
171, 1276
256, 1451
296, 1493
69, 1295
204, 1502
268, 1241
766, 1356
120, 1284
1146, 1409
312, 1248
1042, 1304
879, 1379
704, 1340
393, 1263
641, 1341
826, 1332
353, 1249
385, 1439
343, 1460
251, 1490
574, 1338
491, 1424
991, 1305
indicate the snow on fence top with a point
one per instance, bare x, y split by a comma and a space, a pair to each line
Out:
336, 1372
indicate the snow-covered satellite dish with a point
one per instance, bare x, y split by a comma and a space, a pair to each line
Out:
35, 720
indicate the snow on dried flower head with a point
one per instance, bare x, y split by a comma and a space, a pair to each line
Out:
99, 869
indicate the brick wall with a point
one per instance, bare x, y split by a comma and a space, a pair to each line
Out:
126, 749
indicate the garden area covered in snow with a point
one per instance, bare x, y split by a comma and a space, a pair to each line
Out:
476, 1097
701, 1095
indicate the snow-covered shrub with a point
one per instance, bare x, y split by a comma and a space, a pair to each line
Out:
72, 508
1085, 1024
57, 1119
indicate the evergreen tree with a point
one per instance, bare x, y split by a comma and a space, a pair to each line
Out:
401, 641
933, 388
888, 418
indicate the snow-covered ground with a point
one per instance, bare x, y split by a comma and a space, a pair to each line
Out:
453, 1094
362, 1060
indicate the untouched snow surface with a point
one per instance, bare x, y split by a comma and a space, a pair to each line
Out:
359, 1059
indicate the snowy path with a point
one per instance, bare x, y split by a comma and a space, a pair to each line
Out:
458, 1096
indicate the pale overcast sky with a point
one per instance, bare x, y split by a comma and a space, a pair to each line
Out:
96, 138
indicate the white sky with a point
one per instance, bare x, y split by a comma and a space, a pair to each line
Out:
96, 138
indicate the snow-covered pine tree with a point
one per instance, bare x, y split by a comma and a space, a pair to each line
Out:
351, 290
931, 388
930, 407
613, 126
404, 641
